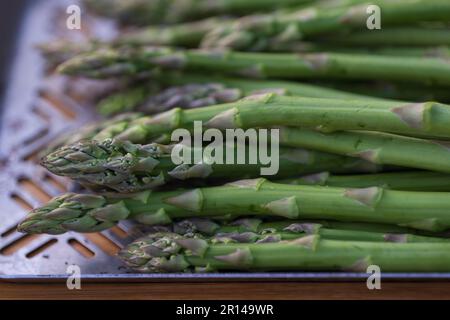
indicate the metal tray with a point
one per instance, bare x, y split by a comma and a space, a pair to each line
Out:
36, 109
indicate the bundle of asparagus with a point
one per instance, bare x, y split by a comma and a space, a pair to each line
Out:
364, 158
263, 32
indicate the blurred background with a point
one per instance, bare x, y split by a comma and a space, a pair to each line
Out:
11, 13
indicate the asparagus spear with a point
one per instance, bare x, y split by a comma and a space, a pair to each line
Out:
187, 34
441, 52
327, 115
142, 12
87, 213
389, 90
346, 90
170, 252
259, 32
132, 61
412, 181
191, 90
375, 147
126, 167
183, 35
394, 36
255, 86
209, 227
438, 52
58, 51
297, 231
108, 127
260, 231
125, 100
148, 99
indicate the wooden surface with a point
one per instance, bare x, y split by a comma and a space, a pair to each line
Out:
256, 290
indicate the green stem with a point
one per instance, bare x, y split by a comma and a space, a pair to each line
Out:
131, 61
375, 147
253, 230
195, 90
412, 181
387, 90
396, 36
327, 115
126, 167
254, 86
187, 34
144, 12
208, 226
88, 213
109, 127
166, 252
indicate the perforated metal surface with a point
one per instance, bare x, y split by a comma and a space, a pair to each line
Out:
36, 110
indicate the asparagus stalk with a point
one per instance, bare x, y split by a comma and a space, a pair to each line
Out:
146, 98
375, 147
191, 90
126, 167
182, 35
438, 52
109, 127
297, 231
58, 51
170, 252
441, 52
187, 34
132, 61
259, 231
125, 100
410, 181
88, 213
389, 90
255, 86
143, 12
394, 36
259, 32
349, 91
207, 226
327, 115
